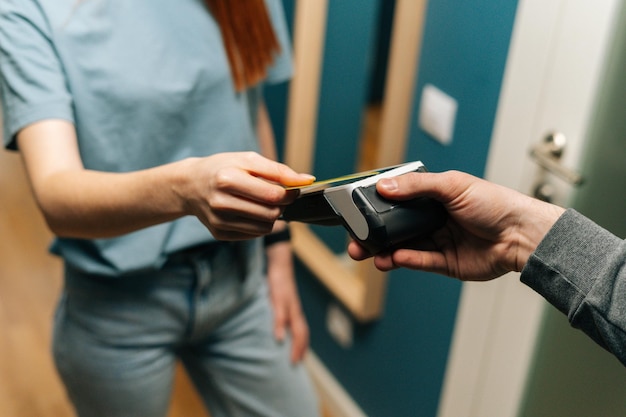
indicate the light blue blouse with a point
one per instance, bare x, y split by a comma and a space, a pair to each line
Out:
145, 82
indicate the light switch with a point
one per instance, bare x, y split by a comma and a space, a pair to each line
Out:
437, 114
339, 325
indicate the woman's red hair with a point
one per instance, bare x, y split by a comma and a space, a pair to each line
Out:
249, 38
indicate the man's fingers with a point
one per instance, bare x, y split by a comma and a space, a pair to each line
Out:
357, 252
444, 187
429, 261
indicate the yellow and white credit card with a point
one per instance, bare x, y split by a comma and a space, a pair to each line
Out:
333, 182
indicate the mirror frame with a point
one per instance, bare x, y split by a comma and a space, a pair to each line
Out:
359, 286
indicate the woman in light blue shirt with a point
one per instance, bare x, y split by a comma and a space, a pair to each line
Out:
142, 127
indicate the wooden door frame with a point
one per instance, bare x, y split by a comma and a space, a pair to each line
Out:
359, 286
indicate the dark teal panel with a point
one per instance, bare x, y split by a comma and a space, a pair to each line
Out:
276, 101
348, 57
276, 95
464, 53
396, 365
348, 53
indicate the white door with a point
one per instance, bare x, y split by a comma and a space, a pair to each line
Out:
555, 63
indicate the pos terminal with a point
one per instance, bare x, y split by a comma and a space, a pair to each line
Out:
378, 224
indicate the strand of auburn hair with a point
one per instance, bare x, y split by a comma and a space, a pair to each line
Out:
248, 37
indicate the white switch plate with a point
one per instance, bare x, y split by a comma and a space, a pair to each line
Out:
339, 325
437, 114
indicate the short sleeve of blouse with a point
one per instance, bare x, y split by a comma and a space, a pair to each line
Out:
32, 82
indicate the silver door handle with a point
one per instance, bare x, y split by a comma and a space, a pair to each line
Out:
547, 155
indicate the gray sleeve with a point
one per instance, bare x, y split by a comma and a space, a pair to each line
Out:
579, 268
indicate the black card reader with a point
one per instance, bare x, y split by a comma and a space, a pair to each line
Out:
377, 223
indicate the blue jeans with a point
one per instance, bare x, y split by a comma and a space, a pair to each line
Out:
117, 341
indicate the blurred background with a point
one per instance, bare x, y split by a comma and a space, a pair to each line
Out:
475, 88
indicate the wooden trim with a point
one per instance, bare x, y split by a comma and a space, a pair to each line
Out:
395, 120
309, 37
404, 54
334, 399
339, 278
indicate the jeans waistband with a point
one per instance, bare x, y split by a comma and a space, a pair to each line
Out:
206, 250
175, 267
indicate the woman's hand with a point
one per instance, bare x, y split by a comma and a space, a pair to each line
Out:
239, 195
491, 229
288, 316
236, 195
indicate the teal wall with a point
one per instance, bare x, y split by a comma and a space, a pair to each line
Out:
396, 364
464, 52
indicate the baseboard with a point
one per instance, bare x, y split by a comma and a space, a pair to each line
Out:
335, 399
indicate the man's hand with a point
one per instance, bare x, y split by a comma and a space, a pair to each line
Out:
491, 229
